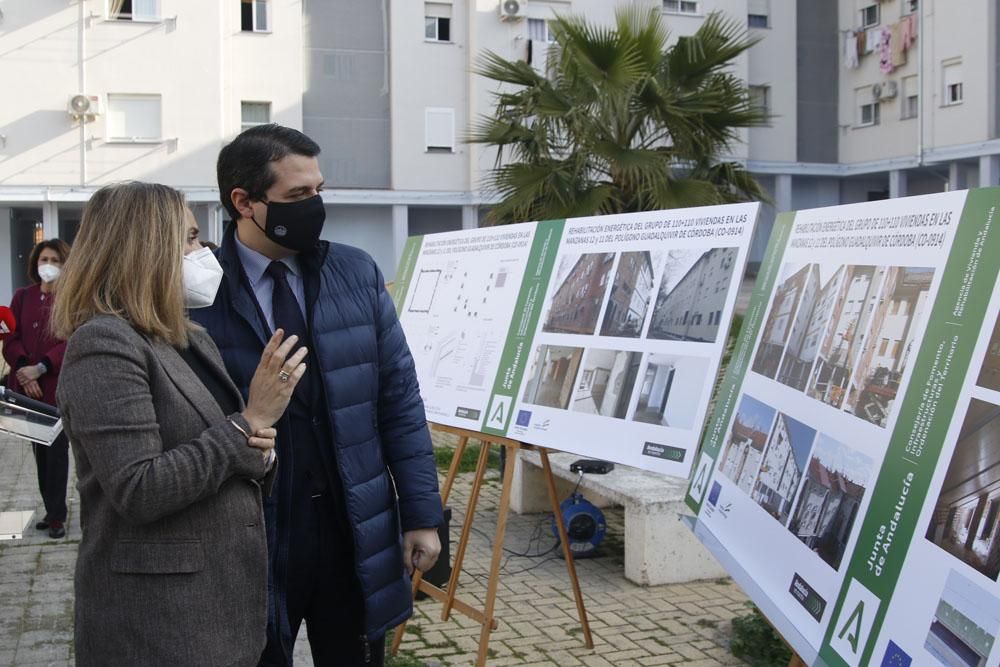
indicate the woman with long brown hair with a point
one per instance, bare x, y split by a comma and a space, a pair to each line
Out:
35, 357
172, 566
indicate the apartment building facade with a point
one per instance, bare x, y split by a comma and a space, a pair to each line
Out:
386, 87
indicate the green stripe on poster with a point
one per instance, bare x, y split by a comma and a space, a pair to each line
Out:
524, 322
725, 403
404, 274
925, 415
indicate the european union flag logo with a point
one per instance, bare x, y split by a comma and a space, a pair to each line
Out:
523, 417
713, 495
895, 656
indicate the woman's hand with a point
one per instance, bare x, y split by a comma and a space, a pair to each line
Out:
273, 382
32, 389
28, 374
264, 441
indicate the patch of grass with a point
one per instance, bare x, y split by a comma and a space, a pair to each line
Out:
444, 454
402, 659
755, 641
706, 623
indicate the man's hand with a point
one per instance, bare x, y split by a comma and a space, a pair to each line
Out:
420, 549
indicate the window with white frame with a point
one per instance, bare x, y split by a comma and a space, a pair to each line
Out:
439, 130
254, 113
255, 15
538, 31
759, 13
867, 106
760, 99
910, 6
680, 6
134, 10
910, 97
869, 16
437, 22
951, 74
134, 118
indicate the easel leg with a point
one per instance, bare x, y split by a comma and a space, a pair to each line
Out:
491, 589
567, 554
456, 459
456, 568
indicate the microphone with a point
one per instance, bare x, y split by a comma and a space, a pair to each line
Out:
26, 403
8, 324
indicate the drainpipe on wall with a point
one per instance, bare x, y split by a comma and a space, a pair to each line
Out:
920, 83
82, 82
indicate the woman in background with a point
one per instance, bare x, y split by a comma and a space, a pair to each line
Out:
35, 358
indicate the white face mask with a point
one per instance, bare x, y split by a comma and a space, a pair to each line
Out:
48, 272
202, 276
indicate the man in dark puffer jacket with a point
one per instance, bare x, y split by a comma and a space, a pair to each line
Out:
356, 505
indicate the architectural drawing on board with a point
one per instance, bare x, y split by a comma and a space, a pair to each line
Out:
967, 512
782, 466
965, 624
807, 332
830, 499
746, 442
631, 294
876, 380
845, 334
606, 383
778, 326
424, 290
691, 308
576, 304
445, 347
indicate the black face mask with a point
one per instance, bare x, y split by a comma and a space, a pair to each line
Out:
295, 225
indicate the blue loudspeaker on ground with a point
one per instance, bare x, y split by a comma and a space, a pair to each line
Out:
584, 523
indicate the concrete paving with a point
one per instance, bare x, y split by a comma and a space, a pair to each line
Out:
685, 624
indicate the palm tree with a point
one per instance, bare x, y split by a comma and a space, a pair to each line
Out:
623, 122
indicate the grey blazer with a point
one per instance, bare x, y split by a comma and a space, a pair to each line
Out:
172, 566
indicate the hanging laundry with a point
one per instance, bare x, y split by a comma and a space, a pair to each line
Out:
885, 51
862, 36
851, 51
871, 39
908, 34
896, 47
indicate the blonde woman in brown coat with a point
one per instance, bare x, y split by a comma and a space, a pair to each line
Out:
172, 566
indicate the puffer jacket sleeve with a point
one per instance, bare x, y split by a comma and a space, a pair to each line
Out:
402, 424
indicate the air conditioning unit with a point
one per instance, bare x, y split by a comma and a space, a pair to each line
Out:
511, 10
886, 90
84, 106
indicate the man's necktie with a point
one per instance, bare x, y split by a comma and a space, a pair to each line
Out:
286, 312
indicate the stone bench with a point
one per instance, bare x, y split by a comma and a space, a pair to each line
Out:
659, 548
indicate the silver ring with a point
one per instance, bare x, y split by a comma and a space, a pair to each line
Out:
283, 376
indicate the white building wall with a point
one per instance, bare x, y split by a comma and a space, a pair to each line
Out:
195, 58
772, 64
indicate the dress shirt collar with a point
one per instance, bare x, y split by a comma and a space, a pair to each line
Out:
255, 264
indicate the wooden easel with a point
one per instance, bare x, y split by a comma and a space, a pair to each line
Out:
448, 597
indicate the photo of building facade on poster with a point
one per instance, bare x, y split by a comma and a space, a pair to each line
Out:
600, 336
946, 607
821, 451
623, 361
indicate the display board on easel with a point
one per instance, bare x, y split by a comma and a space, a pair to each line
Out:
600, 336
849, 478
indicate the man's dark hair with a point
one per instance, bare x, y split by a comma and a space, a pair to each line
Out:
246, 161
